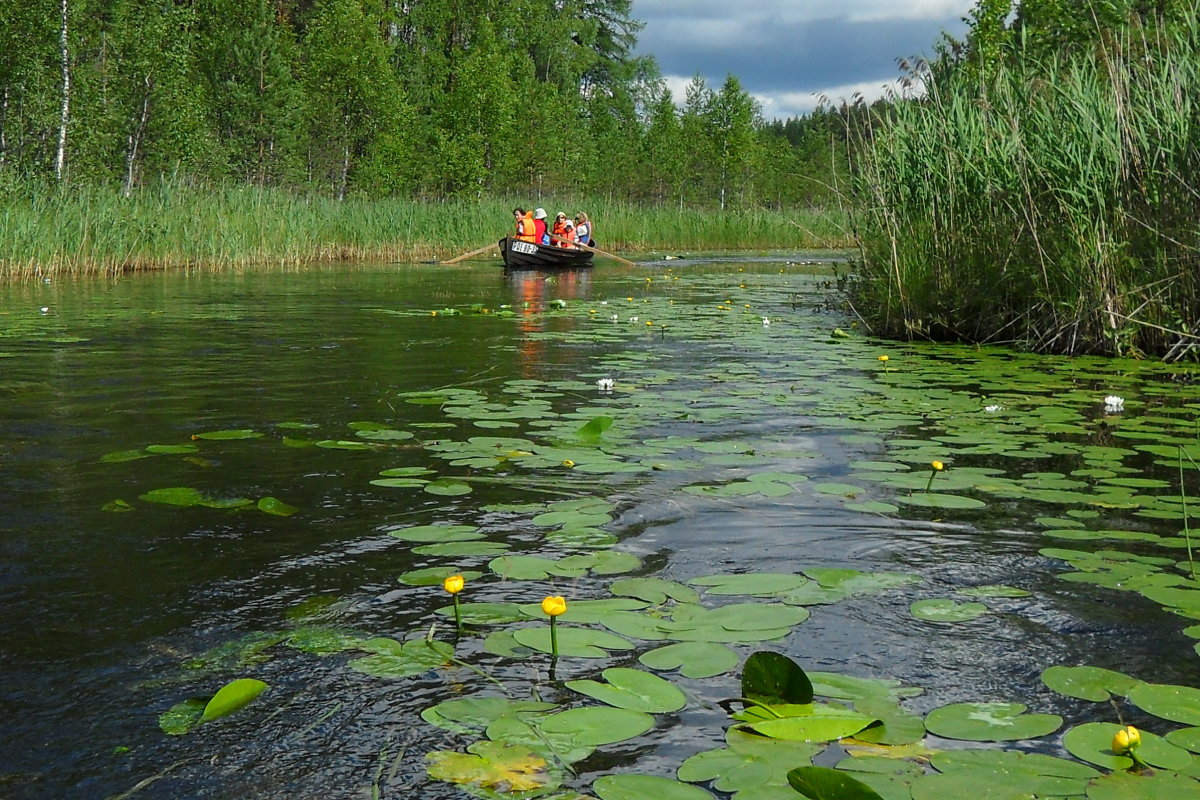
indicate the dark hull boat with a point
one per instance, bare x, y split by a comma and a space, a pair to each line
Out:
527, 255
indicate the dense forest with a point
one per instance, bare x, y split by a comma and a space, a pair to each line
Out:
386, 98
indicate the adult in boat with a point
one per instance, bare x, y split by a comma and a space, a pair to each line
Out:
583, 228
539, 226
524, 220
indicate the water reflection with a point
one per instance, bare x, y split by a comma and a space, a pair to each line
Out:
532, 290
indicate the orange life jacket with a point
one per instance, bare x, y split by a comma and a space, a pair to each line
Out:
525, 228
569, 235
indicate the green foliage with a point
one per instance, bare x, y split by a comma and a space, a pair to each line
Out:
1049, 204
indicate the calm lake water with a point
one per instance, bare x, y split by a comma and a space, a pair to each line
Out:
117, 605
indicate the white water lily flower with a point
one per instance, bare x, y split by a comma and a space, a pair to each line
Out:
633, 319
1114, 404
766, 320
992, 409
605, 384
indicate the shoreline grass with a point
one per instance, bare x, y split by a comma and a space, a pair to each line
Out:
95, 230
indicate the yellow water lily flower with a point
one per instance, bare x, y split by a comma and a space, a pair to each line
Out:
884, 359
937, 466
554, 605
453, 584
568, 463
1126, 740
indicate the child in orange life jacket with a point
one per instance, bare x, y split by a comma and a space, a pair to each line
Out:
559, 228
569, 235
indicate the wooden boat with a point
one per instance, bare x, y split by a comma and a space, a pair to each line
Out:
527, 255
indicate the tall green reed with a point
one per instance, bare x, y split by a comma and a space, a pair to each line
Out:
1054, 204
49, 230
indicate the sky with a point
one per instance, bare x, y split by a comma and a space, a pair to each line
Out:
787, 53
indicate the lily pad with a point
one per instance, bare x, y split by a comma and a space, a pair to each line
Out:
498, 766
757, 584
578, 642
692, 659
654, 590
823, 783
990, 722
393, 659
176, 496
946, 610
1176, 703
276, 507
1092, 742
772, 678
632, 689
437, 533
646, 787
232, 697
598, 725
1088, 683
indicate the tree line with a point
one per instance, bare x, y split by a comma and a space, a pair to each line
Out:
379, 98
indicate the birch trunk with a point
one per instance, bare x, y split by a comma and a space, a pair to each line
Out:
135, 140
60, 160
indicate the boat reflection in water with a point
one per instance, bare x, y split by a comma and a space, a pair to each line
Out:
534, 291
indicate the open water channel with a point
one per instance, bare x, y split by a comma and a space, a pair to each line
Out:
215, 476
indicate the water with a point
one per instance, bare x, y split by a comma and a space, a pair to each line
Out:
103, 606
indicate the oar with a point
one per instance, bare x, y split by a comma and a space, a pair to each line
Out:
457, 259
595, 250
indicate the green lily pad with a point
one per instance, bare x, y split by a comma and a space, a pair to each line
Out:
231, 697
946, 610
577, 642
1158, 786
437, 533
995, 590
632, 689
646, 787
176, 496
182, 718
171, 449
654, 590
228, 435
819, 723
485, 613
276, 507
1088, 683
772, 678
598, 725
938, 500
1176, 703
393, 659
472, 715
823, 783
457, 549
447, 487
692, 659
1034, 773
434, 576
990, 722
1092, 742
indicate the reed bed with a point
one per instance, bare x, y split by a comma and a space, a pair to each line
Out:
1055, 205
46, 230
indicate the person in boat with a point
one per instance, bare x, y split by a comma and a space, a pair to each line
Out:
539, 226
583, 229
568, 235
559, 227
525, 227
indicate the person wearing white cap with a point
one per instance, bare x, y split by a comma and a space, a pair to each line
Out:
539, 226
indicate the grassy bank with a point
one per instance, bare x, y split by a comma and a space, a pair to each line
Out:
1055, 205
90, 229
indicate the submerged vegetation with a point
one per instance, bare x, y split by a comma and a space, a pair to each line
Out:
1043, 190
